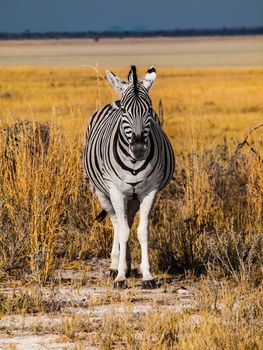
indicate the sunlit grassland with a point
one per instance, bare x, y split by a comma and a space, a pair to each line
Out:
205, 111
208, 221
202, 106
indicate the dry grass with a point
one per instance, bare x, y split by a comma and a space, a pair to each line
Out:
209, 219
217, 319
216, 195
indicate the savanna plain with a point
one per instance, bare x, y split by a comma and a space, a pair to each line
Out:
206, 227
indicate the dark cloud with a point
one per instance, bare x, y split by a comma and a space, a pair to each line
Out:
74, 15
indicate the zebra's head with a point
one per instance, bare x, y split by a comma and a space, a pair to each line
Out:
136, 109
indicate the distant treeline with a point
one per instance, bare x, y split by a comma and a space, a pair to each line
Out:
132, 34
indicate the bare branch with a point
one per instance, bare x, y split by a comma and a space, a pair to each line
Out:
244, 142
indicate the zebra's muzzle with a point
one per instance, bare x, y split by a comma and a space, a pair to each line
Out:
138, 146
138, 151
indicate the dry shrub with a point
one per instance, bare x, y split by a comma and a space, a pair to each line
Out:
211, 211
43, 195
22, 146
27, 302
237, 254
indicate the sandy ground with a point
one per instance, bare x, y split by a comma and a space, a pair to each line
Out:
96, 300
172, 52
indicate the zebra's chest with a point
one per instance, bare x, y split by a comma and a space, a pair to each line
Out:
132, 181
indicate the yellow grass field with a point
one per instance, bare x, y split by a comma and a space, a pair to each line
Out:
206, 227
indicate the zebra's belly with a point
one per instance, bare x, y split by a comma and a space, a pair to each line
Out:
130, 184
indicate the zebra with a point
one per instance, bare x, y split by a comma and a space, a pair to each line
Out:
128, 159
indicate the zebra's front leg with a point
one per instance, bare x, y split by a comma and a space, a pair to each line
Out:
119, 203
145, 207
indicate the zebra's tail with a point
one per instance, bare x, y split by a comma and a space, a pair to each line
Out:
102, 215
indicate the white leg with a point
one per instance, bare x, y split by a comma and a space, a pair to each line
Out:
115, 246
119, 203
132, 208
145, 207
107, 205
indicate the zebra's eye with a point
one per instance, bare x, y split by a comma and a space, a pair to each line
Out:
146, 132
123, 109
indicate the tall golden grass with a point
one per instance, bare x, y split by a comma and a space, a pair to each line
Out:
208, 219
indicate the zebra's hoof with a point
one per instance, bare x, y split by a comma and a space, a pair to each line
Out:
120, 284
113, 274
149, 284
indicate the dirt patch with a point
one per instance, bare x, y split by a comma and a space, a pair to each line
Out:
34, 342
92, 303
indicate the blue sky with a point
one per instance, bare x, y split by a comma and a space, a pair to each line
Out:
83, 15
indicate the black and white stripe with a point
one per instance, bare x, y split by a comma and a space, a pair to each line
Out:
126, 150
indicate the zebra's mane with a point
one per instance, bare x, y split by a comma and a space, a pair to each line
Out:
135, 79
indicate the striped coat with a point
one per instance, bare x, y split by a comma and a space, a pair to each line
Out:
128, 159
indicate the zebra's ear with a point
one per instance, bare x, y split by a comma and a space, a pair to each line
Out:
149, 78
119, 85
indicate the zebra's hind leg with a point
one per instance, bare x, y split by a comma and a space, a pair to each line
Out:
132, 208
115, 251
106, 204
145, 207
